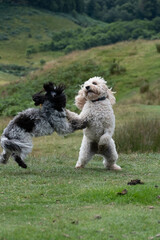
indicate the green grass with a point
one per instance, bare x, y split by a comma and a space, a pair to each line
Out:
52, 200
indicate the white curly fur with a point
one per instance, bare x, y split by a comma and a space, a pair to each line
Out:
100, 120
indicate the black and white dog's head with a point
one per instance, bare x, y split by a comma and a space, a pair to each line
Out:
54, 95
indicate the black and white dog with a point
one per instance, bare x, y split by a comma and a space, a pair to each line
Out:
16, 139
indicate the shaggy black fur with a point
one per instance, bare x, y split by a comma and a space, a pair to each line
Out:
20, 162
38, 98
11, 146
54, 94
25, 122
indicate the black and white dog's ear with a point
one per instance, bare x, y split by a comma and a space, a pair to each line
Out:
60, 88
49, 87
38, 98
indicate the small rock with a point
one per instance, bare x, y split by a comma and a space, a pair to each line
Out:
158, 197
158, 235
156, 186
66, 235
151, 207
97, 217
80, 237
123, 192
135, 182
100, 230
75, 222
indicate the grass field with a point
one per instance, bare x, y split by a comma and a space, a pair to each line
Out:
52, 200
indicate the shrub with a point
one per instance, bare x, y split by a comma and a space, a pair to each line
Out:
158, 47
3, 37
139, 135
43, 47
29, 35
42, 61
16, 70
116, 68
30, 50
145, 87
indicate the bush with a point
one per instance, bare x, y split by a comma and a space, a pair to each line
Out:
42, 61
16, 70
29, 35
139, 135
116, 68
30, 50
158, 47
144, 88
3, 37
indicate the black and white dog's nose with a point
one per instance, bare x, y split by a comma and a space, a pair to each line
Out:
87, 87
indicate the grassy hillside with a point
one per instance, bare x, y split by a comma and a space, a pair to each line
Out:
21, 27
127, 67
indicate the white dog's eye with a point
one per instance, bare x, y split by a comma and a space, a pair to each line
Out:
94, 83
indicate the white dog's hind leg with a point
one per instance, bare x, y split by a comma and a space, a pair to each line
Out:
110, 156
85, 153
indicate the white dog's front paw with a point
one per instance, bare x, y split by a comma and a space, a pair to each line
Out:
114, 167
79, 165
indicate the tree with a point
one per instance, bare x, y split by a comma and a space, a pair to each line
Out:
147, 8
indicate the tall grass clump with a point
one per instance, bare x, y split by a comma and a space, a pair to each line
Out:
158, 47
139, 135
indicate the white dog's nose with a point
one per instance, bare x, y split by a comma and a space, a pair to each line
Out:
87, 87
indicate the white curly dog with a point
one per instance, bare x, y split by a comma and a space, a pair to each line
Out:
95, 100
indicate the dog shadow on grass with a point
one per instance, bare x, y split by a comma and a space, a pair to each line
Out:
56, 171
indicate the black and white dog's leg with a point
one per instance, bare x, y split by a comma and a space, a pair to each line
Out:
25, 149
4, 156
20, 162
75, 120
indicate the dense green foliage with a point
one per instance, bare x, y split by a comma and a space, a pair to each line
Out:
15, 69
126, 10
102, 35
53, 5
104, 10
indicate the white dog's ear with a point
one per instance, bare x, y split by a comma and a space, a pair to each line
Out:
111, 96
80, 100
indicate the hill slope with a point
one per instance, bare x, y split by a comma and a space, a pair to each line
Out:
127, 66
21, 27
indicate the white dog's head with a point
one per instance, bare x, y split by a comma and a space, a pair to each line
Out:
93, 89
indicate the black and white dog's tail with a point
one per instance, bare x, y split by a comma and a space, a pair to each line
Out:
10, 145
16, 147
